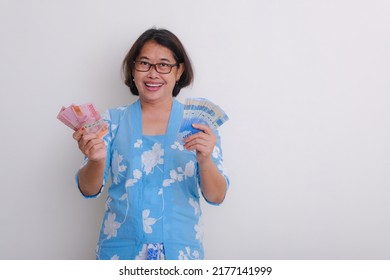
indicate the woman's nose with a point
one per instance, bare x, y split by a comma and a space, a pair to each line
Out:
152, 71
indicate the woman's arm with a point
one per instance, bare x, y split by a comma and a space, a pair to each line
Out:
91, 175
212, 182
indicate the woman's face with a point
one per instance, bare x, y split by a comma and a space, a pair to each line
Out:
153, 86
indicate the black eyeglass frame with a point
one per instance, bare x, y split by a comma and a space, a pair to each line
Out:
155, 66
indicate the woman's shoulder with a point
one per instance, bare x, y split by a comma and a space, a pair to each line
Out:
119, 111
113, 115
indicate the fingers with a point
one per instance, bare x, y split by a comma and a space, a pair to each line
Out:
199, 145
94, 149
90, 145
78, 134
86, 145
81, 137
197, 138
203, 142
205, 130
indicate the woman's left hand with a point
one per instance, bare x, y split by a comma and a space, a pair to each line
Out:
202, 142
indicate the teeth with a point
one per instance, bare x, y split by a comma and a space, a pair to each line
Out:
153, 85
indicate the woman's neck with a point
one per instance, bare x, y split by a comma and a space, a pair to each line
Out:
155, 117
157, 106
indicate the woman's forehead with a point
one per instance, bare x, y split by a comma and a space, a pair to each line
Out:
153, 50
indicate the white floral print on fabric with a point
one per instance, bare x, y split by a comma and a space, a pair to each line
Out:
199, 229
216, 152
218, 155
115, 257
179, 174
178, 146
111, 226
123, 197
195, 205
147, 221
113, 130
161, 192
107, 204
117, 167
150, 159
113, 126
143, 253
137, 174
138, 143
187, 255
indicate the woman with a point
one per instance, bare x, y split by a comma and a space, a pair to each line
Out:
152, 209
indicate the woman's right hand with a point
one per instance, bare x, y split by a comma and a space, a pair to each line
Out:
90, 145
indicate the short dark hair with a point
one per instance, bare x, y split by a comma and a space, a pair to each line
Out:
164, 38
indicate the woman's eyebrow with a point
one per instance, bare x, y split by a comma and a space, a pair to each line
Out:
143, 57
165, 59
161, 59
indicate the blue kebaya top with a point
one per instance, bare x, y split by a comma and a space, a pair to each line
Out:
154, 197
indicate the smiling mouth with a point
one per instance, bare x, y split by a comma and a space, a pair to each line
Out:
154, 86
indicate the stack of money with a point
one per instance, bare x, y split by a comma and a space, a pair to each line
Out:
201, 111
86, 116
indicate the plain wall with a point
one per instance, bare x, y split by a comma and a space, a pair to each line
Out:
305, 83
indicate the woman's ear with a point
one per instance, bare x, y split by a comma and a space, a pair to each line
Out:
180, 71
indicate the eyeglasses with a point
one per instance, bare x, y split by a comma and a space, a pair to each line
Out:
162, 68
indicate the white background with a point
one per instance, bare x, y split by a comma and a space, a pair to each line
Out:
305, 83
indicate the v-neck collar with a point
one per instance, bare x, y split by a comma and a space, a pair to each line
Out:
173, 122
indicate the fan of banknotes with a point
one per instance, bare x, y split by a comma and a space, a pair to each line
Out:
86, 115
201, 111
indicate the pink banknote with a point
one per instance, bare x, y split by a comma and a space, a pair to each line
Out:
86, 115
